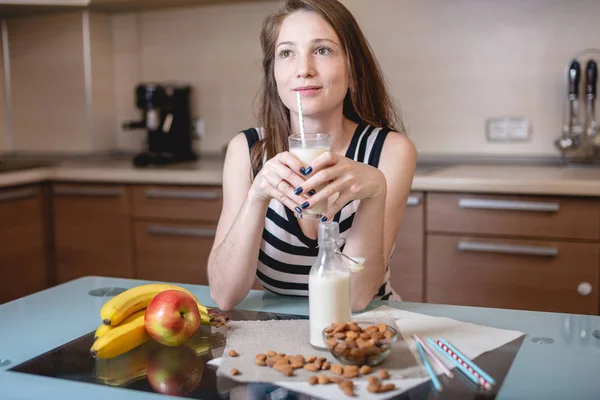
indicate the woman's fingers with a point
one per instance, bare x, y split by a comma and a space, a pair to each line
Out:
325, 160
341, 185
343, 199
284, 192
324, 177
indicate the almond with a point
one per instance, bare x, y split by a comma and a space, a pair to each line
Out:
311, 367
382, 327
383, 374
235, 371
232, 353
323, 380
337, 369
311, 359
271, 353
325, 365
387, 387
313, 380
365, 370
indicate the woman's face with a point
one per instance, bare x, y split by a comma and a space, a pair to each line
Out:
309, 59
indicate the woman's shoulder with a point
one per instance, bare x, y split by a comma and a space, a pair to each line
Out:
398, 149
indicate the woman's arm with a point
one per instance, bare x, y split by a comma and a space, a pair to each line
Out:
377, 219
233, 259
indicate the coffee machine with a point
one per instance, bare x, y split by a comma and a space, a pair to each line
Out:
167, 119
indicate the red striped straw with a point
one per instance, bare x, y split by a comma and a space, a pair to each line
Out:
452, 354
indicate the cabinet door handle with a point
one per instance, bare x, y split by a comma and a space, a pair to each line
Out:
182, 194
18, 194
507, 249
88, 191
508, 205
413, 201
181, 231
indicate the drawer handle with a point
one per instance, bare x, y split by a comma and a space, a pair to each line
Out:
18, 194
508, 205
182, 194
413, 201
101, 192
180, 231
507, 249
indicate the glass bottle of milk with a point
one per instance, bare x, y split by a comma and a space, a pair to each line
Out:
328, 285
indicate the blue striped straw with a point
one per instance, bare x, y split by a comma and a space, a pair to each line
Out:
453, 361
434, 378
469, 362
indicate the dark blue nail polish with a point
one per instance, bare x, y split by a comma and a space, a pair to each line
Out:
298, 191
298, 210
305, 204
302, 171
324, 219
307, 171
312, 192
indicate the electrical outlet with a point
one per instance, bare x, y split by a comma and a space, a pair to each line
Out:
496, 130
518, 129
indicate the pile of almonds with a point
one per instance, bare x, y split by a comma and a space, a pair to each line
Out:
357, 345
286, 364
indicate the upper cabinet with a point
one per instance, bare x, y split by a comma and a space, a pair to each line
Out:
16, 8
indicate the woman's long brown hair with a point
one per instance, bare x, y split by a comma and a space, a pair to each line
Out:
367, 100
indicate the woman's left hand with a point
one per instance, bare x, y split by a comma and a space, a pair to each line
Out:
334, 174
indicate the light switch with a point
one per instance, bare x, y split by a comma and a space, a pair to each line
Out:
518, 129
496, 130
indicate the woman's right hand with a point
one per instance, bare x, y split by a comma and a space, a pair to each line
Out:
281, 178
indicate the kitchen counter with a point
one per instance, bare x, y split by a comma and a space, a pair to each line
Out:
564, 365
567, 180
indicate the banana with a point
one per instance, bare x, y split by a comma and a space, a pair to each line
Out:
115, 310
102, 329
120, 339
126, 368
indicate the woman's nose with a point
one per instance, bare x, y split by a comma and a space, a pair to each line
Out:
304, 67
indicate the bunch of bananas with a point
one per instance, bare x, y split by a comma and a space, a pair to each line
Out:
123, 327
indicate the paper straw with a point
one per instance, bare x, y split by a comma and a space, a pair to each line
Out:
435, 358
300, 118
468, 361
476, 379
484, 382
434, 378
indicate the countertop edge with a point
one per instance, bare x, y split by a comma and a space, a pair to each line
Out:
427, 182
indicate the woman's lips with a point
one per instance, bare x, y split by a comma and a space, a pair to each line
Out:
308, 90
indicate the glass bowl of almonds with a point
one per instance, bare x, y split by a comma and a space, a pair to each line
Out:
360, 342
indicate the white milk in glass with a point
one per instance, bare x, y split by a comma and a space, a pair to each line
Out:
307, 149
328, 286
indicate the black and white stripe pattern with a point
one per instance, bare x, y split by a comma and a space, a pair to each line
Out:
286, 254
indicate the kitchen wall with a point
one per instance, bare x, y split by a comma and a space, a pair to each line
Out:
450, 65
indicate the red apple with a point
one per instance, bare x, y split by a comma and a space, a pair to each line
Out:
174, 371
172, 317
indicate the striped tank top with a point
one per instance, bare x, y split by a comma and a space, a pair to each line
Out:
286, 255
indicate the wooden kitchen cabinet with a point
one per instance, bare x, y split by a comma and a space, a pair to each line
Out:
407, 258
23, 253
510, 215
174, 231
541, 275
173, 251
93, 231
513, 251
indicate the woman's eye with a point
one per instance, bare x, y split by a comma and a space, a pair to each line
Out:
284, 53
323, 51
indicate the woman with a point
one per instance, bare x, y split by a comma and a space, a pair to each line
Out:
317, 48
